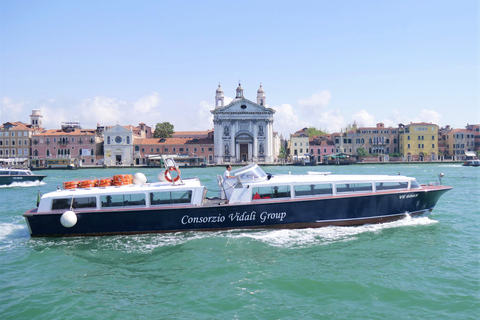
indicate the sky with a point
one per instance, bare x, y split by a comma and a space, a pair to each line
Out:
322, 64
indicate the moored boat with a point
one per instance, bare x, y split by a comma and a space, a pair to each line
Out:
253, 199
9, 176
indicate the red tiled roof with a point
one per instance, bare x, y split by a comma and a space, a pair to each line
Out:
59, 132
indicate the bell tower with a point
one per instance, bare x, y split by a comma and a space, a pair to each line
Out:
36, 118
261, 96
219, 98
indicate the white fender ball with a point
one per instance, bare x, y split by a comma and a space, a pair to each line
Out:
161, 177
139, 178
68, 219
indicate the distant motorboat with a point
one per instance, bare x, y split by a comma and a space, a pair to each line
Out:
472, 163
9, 176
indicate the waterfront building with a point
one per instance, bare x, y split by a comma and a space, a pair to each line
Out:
378, 140
419, 141
15, 140
243, 129
146, 149
346, 142
71, 144
118, 146
475, 129
459, 143
320, 147
299, 145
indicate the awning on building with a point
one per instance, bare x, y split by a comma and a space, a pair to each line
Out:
470, 154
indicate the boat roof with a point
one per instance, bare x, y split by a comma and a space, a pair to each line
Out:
131, 188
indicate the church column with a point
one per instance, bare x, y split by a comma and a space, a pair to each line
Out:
255, 141
269, 142
218, 145
233, 133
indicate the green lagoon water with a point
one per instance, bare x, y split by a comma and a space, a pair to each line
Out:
420, 268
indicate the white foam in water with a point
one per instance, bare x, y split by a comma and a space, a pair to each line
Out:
24, 184
319, 236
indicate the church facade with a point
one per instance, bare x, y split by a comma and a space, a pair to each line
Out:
243, 129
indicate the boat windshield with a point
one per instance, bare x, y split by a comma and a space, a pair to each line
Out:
252, 172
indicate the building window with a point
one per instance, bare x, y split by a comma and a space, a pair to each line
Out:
174, 149
210, 149
108, 140
166, 149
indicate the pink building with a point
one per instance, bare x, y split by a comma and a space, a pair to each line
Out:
69, 146
320, 148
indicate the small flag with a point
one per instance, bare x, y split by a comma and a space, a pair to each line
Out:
39, 196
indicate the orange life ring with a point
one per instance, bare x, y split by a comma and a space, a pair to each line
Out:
70, 185
168, 175
122, 179
106, 182
87, 183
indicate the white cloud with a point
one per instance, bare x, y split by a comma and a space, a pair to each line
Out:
147, 104
11, 110
316, 101
429, 116
106, 111
364, 119
425, 116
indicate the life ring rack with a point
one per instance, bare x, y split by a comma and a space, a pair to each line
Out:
168, 175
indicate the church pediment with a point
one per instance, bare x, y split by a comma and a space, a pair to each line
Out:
117, 129
243, 106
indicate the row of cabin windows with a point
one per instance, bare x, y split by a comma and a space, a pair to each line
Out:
176, 197
326, 189
123, 200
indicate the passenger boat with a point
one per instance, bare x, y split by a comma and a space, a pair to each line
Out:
9, 176
253, 199
472, 163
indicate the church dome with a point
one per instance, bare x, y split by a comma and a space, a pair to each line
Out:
219, 89
260, 90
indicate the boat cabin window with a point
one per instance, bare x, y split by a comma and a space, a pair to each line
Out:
80, 202
395, 185
159, 198
123, 200
313, 189
353, 187
415, 185
271, 192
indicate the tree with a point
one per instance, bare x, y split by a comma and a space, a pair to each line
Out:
313, 132
163, 130
361, 152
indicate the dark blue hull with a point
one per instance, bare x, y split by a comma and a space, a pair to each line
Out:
6, 180
336, 210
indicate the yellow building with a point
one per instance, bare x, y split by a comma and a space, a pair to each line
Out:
419, 141
299, 145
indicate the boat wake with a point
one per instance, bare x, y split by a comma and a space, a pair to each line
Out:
24, 184
295, 238
10, 233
